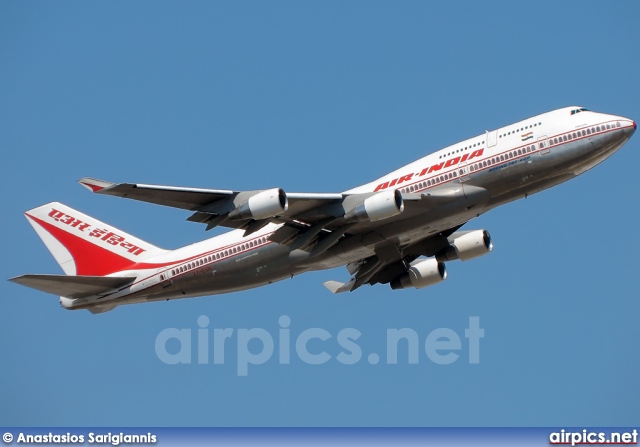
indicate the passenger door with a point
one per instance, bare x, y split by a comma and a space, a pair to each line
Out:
492, 138
463, 172
544, 145
165, 278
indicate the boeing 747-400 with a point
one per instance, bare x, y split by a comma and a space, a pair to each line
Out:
399, 229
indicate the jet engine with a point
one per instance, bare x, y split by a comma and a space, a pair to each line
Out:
263, 205
468, 246
422, 274
381, 205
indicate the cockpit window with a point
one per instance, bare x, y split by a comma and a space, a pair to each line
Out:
574, 111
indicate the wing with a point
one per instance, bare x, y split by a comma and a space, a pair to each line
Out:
215, 206
312, 221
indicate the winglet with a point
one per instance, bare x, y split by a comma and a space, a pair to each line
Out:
94, 185
339, 287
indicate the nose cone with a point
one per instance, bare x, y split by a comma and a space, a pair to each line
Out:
628, 125
632, 129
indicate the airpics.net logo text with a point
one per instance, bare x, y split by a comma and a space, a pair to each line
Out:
257, 346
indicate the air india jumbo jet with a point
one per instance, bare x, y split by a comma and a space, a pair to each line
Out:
399, 229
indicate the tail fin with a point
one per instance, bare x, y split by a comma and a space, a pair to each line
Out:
83, 245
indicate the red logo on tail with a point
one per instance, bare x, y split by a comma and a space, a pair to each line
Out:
105, 235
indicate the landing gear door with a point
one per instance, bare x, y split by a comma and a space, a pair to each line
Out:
544, 145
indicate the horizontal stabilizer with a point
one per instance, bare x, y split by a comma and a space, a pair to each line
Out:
73, 286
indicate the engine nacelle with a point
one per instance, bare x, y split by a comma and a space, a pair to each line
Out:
263, 205
66, 302
423, 274
381, 205
468, 246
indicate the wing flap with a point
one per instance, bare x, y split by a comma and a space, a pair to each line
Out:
339, 287
73, 286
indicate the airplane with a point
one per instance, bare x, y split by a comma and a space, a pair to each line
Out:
399, 229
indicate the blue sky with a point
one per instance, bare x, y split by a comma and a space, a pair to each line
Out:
319, 96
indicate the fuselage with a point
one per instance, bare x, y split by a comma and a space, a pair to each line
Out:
479, 173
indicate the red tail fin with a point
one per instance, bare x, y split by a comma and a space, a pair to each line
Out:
83, 245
